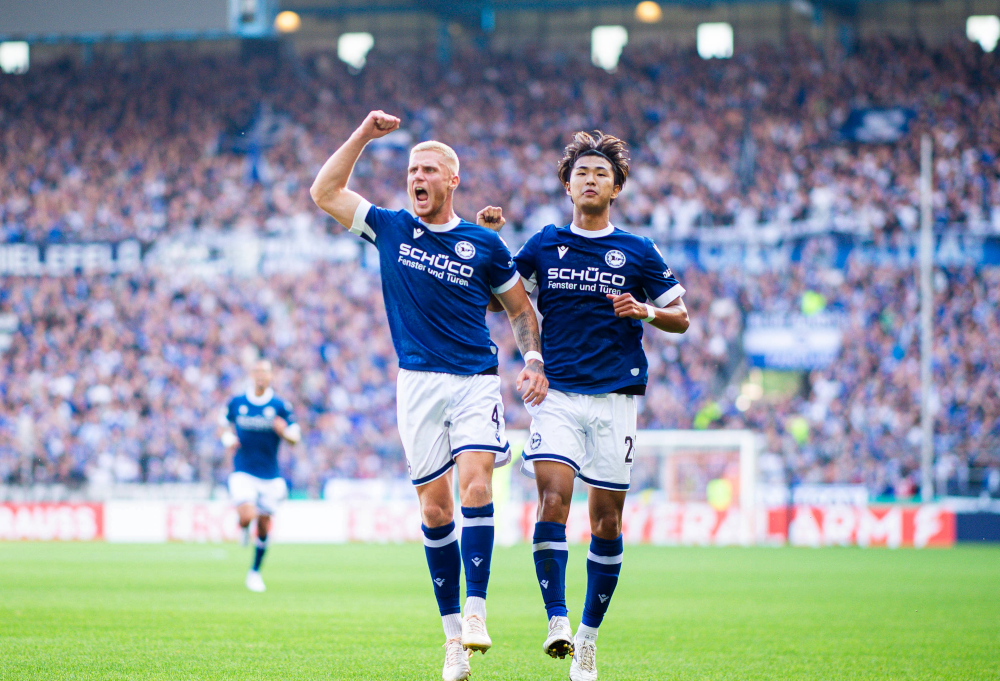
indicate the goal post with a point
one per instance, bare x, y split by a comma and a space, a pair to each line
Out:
690, 486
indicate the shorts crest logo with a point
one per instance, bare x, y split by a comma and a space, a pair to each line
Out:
615, 258
465, 250
536, 441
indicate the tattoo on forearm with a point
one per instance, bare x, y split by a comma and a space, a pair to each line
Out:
525, 326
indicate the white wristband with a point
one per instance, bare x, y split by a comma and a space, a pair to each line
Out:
650, 313
533, 354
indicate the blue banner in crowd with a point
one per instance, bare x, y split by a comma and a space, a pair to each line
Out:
952, 249
877, 126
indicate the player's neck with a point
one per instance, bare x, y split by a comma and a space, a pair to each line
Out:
592, 222
259, 392
442, 216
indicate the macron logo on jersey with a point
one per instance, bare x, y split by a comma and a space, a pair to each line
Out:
563, 250
417, 232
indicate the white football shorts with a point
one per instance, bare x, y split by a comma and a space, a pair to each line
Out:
263, 493
442, 415
593, 434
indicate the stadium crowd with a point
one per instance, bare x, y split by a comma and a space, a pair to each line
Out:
141, 147
121, 377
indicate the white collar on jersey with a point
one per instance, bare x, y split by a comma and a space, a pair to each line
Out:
262, 400
446, 227
592, 234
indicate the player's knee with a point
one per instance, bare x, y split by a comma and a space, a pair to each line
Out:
553, 507
607, 525
436, 515
477, 493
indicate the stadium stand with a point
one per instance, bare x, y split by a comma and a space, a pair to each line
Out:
141, 149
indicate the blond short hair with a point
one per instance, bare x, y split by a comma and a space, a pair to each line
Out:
450, 157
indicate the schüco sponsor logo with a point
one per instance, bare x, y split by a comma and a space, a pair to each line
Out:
590, 275
255, 422
438, 261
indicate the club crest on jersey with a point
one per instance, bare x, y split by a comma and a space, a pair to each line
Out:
243, 409
614, 258
269, 412
465, 250
563, 250
417, 232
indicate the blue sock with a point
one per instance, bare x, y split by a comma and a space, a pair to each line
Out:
445, 563
604, 562
258, 556
551, 552
477, 548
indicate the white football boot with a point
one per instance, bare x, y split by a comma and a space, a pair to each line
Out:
584, 667
255, 582
474, 635
560, 640
456, 661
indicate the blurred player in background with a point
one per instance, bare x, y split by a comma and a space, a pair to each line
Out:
255, 424
438, 274
593, 281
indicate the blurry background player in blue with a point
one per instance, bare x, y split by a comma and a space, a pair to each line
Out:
438, 273
255, 424
596, 286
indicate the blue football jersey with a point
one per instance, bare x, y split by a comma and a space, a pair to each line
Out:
587, 349
253, 419
437, 280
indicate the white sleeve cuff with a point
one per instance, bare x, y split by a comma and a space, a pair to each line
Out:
672, 294
359, 226
530, 283
510, 283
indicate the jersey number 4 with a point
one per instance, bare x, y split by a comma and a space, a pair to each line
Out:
629, 448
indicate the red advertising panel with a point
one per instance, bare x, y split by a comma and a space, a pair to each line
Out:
891, 526
51, 521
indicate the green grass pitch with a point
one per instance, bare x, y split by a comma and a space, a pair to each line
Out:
100, 611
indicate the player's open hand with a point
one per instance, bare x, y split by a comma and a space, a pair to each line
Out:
279, 424
627, 306
491, 217
378, 124
536, 386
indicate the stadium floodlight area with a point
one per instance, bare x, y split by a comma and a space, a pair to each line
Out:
606, 44
983, 29
353, 48
696, 468
715, 40
14, 57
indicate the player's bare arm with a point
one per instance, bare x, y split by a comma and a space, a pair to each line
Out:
289, 433
492, 217
329, 189
673, 318
525, 326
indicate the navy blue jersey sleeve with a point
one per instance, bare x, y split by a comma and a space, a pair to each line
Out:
503, 273
285, 412
227, 415
527, 263
658, 281
369, 220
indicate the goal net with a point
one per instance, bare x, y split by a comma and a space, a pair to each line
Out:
688, 487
